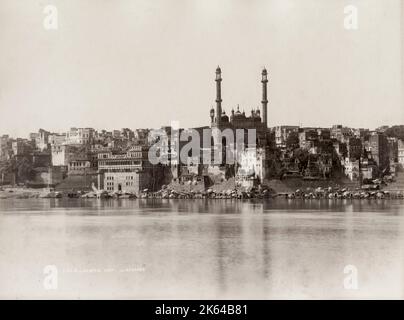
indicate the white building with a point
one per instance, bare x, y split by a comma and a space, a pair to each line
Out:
351, 169
401, 153
60, 155
251, 166
127, 172
41, 139
282, 133
79, 136
57, 139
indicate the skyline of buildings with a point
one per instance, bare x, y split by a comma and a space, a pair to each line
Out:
118, 160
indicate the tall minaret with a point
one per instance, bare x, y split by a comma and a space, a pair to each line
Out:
218, 95
264, 97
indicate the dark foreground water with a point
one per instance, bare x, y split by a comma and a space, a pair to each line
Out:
201, 249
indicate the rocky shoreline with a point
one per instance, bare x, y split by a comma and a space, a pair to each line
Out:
170, 193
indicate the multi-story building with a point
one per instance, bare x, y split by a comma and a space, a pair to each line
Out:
378, 147
308, 138
79, 166
400, 151
360, 168
354, 148
141, 136
252, 166
351, 168
362, 133
126, 172
369, 169
57, 139
324, 134
127, 134
79, 135
42, 140
282, 133
341, 133
19, 147
62, 154
392, 145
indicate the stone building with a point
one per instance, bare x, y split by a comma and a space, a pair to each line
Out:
61, 154
378, 146
127, 172
392, 145
40, 139
252, 166
57, 139
80, 136
79, 166
282, 133
354, 148
308, 138
400, 151
341, 133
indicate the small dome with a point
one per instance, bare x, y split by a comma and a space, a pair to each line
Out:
225, 118
238, 115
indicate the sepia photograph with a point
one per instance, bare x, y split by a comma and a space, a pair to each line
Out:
201, 150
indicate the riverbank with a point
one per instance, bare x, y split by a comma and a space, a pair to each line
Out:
251, 193
19, 192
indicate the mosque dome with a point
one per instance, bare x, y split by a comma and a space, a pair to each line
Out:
225, 118
238, 114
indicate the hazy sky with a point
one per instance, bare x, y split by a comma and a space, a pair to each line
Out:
144, 63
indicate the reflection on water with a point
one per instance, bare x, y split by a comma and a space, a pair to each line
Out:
201, 248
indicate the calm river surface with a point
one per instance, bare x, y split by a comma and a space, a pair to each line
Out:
188, 249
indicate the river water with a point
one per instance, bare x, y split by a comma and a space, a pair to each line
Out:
201, 249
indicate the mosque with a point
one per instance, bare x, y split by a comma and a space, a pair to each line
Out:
238, 119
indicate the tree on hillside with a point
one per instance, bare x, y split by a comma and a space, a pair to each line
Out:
22, 169
396, 132
25, 170
7, 167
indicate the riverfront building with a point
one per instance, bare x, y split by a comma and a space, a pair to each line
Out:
127, 172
